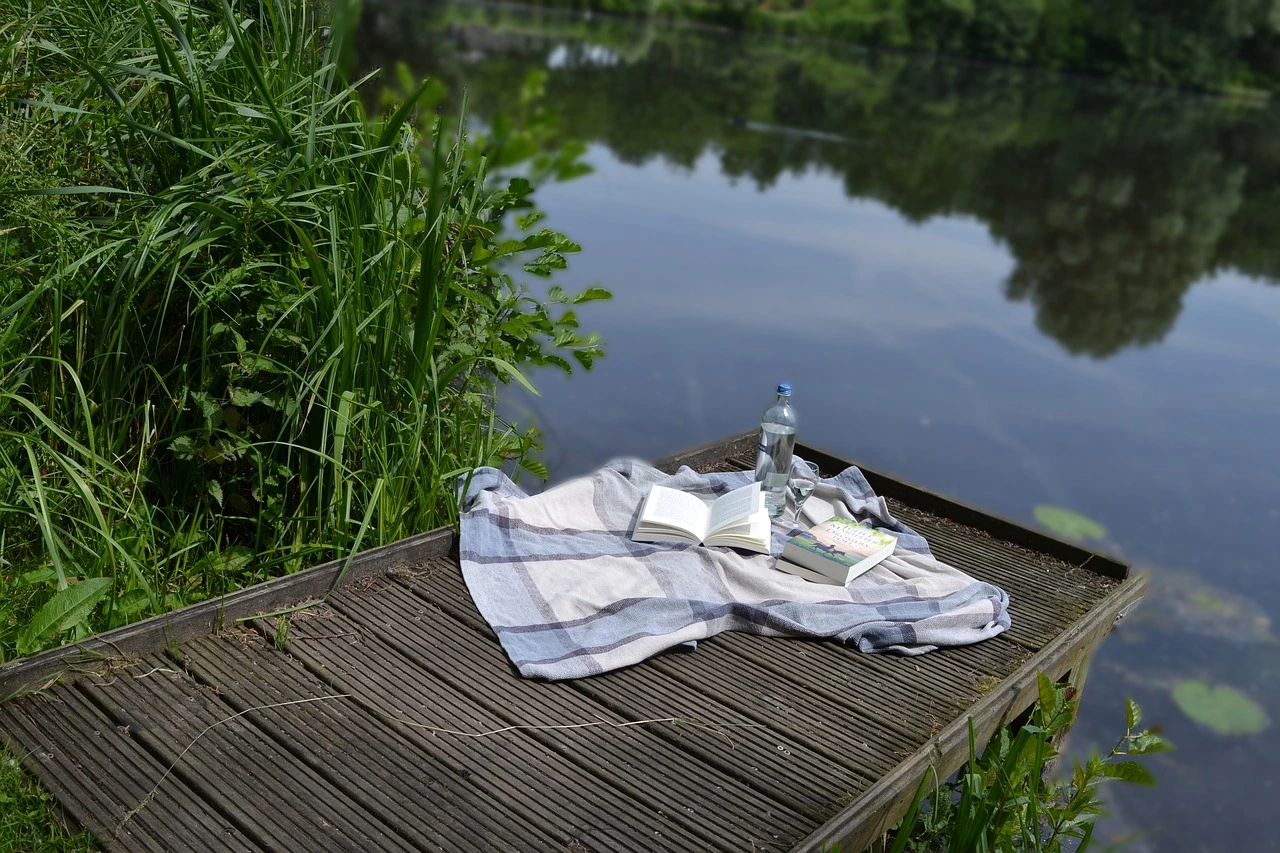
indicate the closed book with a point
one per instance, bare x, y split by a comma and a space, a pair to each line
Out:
835, 551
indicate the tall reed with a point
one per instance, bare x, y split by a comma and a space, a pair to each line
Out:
244, 325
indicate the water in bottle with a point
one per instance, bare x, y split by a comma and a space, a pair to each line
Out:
773, 453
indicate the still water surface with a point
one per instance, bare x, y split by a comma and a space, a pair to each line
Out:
1011, 287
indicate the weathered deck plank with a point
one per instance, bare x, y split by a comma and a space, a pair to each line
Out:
390, 719
73, 743
242, 772
669, 782
767, 760
358, 752
519, 763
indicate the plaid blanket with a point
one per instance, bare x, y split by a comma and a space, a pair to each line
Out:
569, 594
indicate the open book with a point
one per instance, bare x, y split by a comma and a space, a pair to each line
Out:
835, 551
737, 519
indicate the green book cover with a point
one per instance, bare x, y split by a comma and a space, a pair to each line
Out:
838, 545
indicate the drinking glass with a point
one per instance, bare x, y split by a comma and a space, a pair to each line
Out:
803, 480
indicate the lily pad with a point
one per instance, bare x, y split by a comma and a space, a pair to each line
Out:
1069, 524
1220, 708
1187, 602
1208, 601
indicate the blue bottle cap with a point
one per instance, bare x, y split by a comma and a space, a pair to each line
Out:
784, 389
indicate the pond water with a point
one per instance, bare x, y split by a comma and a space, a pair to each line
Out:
1015, 288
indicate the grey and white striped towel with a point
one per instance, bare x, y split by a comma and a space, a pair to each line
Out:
569, 594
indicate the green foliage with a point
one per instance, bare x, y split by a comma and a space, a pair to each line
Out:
1112, 200
1067, 523
1220, 708
245, 326
1220, 45
1001, 801
68, 609
281, 638
27, 822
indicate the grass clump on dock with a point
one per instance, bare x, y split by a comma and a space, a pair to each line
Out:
245, 325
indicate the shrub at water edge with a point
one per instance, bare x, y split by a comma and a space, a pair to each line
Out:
245, 326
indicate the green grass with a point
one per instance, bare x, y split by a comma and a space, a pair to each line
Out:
245, 325
27, 822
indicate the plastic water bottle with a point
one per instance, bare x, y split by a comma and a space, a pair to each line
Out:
773, 453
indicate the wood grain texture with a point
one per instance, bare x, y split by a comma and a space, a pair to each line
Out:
389, 718
198, 620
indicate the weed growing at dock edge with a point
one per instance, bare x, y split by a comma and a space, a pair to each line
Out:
243, 323
1001, 801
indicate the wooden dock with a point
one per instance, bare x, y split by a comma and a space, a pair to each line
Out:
390, 719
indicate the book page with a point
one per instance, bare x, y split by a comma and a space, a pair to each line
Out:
753, 534
735, 507
675, 509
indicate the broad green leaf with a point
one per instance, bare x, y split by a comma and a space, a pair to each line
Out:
132, 602
591, 294
1128, 771
536, 467
251, 363
543, 239
1069, 524
1133, 714
34, 578
557, 361
1047, 693
52, 107
520, 187
524, 223
546, 263
243, 397
68, 608
1147, 743
424, 97
1220, 708
183, 447
233, 559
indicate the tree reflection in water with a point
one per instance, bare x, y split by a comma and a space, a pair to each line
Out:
1113, 200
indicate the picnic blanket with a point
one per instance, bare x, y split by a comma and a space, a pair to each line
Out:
569, 594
